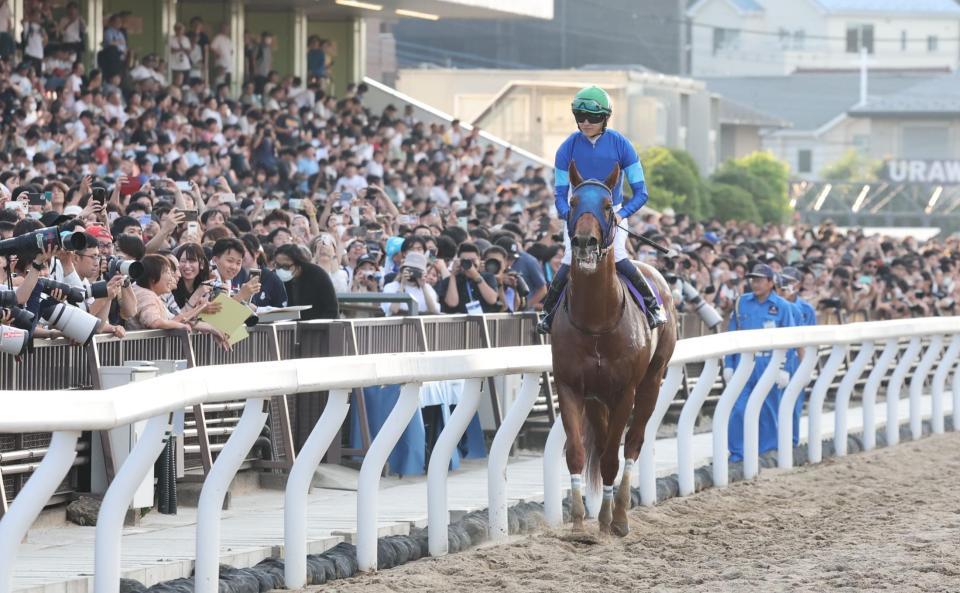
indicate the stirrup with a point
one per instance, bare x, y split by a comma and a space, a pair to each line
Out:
656, 317
543, 326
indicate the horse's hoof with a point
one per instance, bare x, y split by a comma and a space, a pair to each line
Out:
605, 529
620, 529
577, 525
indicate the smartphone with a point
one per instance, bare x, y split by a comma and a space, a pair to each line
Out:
346, 197
271, 204
100, 195
184, 186
48, 196
228, 198
254, 273
865, 279
295, 203
193, 227
355, 215
145, 220
190, 215
36, 200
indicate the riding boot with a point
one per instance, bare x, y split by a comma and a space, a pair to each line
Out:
552, 299
655, 315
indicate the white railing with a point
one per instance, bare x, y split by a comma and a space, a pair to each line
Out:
68, 413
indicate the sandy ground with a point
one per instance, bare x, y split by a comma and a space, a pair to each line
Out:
888, 520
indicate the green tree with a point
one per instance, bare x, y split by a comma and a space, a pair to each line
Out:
735, 203
852, 166
674, 181
764, 177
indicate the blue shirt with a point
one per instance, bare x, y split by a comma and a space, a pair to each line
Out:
595, 161
751, 313
803, 314
526, 265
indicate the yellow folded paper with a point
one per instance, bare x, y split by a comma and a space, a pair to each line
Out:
230, 318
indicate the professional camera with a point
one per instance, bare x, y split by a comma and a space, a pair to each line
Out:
13, 340
124, 267
74, 295
40, 240
8, 298
19, 318
415, 274
831, 303
522, 288
690, 295
74, 323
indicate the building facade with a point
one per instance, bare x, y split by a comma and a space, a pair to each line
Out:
777, 37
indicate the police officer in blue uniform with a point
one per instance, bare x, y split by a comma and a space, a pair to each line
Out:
804, 314
596, 149
759, 309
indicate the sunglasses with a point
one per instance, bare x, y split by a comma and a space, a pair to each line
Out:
594, 118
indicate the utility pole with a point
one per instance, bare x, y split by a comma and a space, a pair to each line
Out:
863, 74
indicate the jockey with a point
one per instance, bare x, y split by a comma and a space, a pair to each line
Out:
595, 149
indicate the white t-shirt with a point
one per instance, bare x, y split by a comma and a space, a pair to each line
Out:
179, 53
222, 47
353, 184
415, 291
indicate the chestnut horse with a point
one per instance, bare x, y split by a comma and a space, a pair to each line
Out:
607, 363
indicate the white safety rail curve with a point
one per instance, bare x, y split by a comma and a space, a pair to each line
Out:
68, 413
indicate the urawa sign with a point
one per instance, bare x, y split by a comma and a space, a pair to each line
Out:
920, 171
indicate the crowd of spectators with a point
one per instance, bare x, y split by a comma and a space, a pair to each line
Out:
288, 195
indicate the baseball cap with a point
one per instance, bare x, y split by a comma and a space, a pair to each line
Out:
99, 233
791, 274
368, 259
762, 271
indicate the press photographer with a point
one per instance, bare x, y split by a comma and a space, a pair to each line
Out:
410, 280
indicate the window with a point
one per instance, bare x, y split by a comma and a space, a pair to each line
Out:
804, 161
933, 43
725, 39
859, 36
903, 40
799, 39
784, 38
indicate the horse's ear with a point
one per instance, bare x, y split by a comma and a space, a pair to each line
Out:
575, 179
613, 177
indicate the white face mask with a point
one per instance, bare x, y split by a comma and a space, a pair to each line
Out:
284, 275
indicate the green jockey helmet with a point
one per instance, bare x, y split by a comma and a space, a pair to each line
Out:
592, 99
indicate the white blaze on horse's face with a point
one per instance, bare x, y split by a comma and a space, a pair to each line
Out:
586, 244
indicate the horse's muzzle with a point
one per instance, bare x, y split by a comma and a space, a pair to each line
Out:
586, 250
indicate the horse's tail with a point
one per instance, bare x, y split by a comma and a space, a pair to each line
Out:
594, 440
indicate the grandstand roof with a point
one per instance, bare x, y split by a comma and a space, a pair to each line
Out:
892, 6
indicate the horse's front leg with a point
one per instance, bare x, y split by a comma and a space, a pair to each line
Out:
571, 414
610, 458
646, 400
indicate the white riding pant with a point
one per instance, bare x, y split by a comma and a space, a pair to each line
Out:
619, 246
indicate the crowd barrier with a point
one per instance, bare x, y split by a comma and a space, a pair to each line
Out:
59, 365
69, 413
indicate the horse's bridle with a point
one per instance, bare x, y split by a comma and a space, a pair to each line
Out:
608, 234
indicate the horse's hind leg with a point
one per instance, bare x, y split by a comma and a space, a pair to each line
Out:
610, 459
646, 400
571, 414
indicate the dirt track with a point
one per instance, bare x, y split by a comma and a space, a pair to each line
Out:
888, 520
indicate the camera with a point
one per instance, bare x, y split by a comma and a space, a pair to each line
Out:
8, 298
20, 318
707, 313
466, 264
72, 293
75, 324
13, 340
372, 276
42, 239
522, 288
415, 274
124, 267
831, 303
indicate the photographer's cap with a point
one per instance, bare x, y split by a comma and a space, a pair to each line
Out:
762, 271
416, 260
368, 259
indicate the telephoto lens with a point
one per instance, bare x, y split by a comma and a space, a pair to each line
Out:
75, 324
124, 267
20, 318
8, 298
74, 295
98, 290
13, 340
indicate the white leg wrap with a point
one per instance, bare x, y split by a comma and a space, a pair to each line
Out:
576, 482
608, 493
627, 466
